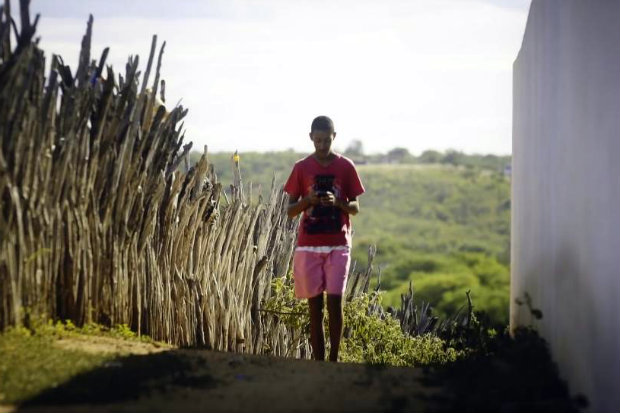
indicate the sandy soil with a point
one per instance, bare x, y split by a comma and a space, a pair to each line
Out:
110, 345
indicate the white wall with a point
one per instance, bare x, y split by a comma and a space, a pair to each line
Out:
566, 190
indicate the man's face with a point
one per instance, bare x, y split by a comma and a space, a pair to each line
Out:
322, 141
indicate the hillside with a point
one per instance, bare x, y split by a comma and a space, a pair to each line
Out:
446, 226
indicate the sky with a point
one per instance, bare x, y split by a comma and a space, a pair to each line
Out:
419, 74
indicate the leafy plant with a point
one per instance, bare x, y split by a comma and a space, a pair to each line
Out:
378, 338
371, 335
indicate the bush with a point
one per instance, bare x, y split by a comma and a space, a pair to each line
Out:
285, 307
369, 337
377, 340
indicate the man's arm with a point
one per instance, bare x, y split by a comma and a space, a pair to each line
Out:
298, 205
352, 207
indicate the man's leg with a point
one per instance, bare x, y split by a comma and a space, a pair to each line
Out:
334, 310
317, 334
336, 270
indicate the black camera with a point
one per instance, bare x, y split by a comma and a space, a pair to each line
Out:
324, 219
323, 184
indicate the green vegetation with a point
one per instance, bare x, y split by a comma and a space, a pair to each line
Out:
441, 227
377, 340
36, 363
257, 168
368, 338
441, 220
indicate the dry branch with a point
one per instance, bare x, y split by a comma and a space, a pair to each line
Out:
99, 225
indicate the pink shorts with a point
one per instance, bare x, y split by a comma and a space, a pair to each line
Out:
315, 272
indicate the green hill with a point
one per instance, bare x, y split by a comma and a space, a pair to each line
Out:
446, 226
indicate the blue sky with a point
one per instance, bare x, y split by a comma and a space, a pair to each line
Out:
413, 73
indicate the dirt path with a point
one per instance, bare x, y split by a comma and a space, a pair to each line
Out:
147, 377
154, 378
111, 345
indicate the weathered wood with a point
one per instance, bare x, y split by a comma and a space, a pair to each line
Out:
98, 224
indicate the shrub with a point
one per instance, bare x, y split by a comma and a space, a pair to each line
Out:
370, 337
380, 340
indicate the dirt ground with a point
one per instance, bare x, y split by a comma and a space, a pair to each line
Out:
154, 378
110, 345
147, 377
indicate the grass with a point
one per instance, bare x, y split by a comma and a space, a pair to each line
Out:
31, 362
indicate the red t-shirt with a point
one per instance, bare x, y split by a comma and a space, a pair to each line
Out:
324, 225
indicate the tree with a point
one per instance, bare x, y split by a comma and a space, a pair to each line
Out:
430, 156
355, 148
453, 157
398, 155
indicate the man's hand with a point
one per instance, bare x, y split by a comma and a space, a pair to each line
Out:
328, 199
312, 198
297, 205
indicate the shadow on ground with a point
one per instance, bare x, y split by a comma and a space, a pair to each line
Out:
196, 380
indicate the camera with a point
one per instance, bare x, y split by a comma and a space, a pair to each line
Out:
323, 184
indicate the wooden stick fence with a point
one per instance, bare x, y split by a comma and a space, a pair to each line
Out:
98, 224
